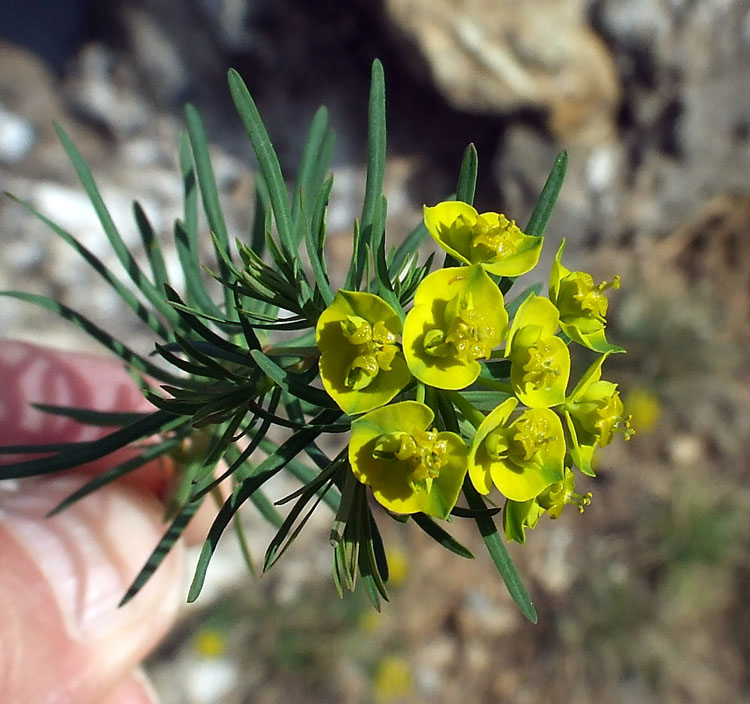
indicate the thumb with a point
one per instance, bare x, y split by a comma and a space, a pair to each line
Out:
62, 636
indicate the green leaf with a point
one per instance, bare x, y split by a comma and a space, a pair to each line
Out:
345, 509
149, 454
373, 566
485, 400
35, 449
119, 247
376, 150
151, 246
262, 204
384, 283
283, 538
308, 171
128, 297
312, 244
441, 536
120, 349
290, 384
548, 197
269, 165
318, 220
186, 234
89, 416
499, 553
190, 193
194, 287
95, 449
206, 333
165, 545
275, 462
460, 512
323, 165
467, 176
209, 194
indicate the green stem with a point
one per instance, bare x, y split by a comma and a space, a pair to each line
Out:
448, 412
471, 414
420, 392
495, 385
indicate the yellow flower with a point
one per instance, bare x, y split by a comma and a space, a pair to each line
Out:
520, 515
645, 408
410, 468
521, 457
210, 643
393, 679
582, 305
458, 317
539, 360
593, 412
361, 365
490, 239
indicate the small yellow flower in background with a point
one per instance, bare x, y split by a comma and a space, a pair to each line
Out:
582, 305
210, 643
458, 317
398, 566
521, 457
393, 679
361, 365
540, 361
644, 407
370, 621
593, 413
409, 468
490, 239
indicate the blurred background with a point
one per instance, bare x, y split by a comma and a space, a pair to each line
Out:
644, 598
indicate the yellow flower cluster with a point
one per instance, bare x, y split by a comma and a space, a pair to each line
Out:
458, 326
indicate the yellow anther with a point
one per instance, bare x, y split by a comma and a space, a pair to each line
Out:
374, 347
421, 450
470, 333
356, 330
495, 241
532, 433
589, 296
382, 335
542, 368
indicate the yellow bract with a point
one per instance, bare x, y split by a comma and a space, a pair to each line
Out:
521, 457
361, 365
520, 515
488, 239
540, 361
593, 413
582, 305
410, 468
458, 317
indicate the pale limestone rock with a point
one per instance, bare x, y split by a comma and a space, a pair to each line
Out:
497, 56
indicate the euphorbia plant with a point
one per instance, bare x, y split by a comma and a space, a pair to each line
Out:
448, 386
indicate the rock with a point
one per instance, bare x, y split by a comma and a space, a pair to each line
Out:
40, 108
500, 56
104, 92
17, 136
684, 66
594, 192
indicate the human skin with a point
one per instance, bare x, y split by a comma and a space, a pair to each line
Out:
63, 640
